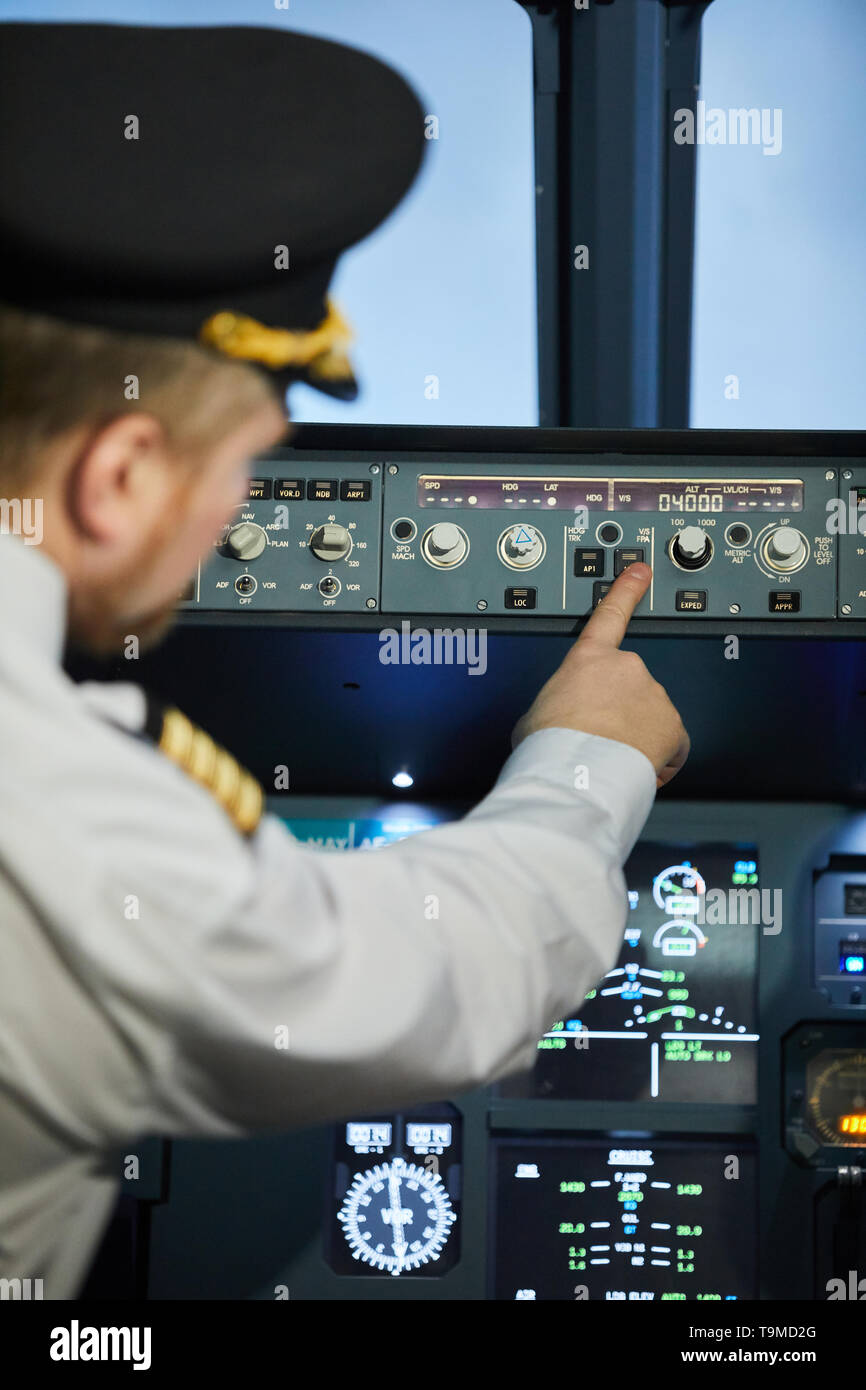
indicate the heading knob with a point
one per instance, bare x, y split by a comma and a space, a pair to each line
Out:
245, 541
521, 547
331, 542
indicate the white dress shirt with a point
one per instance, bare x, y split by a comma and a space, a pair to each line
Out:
153, 961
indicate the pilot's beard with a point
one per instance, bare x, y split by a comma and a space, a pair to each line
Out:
99, 621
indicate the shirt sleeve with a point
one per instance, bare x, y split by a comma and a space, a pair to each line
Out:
346, 983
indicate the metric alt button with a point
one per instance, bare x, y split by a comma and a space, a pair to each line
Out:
588, 564
259, 489
623, 558
322, 491
784, 600
355, 490
520, 598
691, 601
289, 490
738, 534
609, 532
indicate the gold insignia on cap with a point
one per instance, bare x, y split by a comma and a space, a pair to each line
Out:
212, 767
320, 349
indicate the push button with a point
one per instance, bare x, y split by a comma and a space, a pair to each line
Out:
322, 492
691, 601
260, 489
589, 564
355, 490
289, 490
784, 600
623, 558
599, 591
520, 598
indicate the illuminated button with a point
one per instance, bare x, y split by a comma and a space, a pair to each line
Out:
246, 541
520, 598
289, 490
784, 600
330, 542
355, 490
260, 489
691, 548
691, 601
785, 549
445, 545
609, 532
623, 558
322, 492
600, 590
588, 564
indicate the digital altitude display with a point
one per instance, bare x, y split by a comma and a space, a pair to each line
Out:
701, 496
633, 1220
676, 1018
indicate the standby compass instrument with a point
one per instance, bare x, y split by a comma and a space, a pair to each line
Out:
396, 1194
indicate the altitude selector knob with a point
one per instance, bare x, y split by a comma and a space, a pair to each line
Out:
691, 547
246, 541
331, 542
445, 544
785, 549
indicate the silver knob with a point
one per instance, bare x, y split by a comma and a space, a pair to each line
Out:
691, 543
785, 549
246, 541
445, 543
331, 542
521, 546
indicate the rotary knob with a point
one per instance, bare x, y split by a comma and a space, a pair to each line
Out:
445, 544
331, 542
691, 547
245, 541
785, 548
521, 547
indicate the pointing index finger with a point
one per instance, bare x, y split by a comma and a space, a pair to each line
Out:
609, 621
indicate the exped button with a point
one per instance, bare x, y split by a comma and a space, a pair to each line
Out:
691, 601
589, 564
520, 598
784, 600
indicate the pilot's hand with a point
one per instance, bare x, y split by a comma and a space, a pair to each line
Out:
599, 689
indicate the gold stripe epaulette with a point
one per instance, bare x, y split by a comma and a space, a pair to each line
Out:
237, 791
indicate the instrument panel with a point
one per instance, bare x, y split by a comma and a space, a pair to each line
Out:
537, 534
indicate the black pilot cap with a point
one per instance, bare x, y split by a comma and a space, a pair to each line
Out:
197, 183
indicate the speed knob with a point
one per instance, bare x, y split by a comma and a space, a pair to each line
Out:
521, 547
246, 541
331, 542
445, 544
785, 548
691, 547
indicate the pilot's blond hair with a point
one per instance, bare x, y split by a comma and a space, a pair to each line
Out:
56, 376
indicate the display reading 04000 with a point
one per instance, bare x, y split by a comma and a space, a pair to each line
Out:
676, 1018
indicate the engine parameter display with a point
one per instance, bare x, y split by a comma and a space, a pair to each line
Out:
676, 1018
629, 1220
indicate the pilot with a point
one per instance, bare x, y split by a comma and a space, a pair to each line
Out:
172, 961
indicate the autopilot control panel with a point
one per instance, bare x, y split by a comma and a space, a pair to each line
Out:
541, 534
